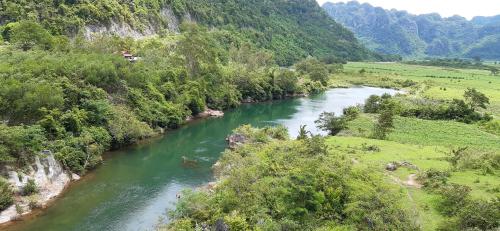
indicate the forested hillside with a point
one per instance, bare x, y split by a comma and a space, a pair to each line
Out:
399, 32
77, 94
291, 29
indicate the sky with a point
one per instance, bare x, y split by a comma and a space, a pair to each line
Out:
465, 8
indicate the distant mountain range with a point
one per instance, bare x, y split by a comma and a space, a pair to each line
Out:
418, 36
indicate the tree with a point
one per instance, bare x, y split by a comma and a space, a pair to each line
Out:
351, 113
476, 99
198, 49
303, 133
330, 123
27, 35
317, 71
372, 104
384, 124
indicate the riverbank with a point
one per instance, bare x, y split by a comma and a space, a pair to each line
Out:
137, 184
51, 180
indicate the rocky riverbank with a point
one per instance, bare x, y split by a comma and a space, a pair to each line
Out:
50, 180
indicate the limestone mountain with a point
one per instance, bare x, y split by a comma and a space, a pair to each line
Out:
399, 32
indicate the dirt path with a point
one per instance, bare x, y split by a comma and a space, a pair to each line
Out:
412, 181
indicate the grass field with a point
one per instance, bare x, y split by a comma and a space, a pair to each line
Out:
435, 82
425, 144
423, 157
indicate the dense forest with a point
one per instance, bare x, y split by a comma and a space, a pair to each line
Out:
417, 36
292, 30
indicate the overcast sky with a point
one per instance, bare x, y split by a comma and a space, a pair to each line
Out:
466, 8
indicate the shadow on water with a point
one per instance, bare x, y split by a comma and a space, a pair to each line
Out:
135, 186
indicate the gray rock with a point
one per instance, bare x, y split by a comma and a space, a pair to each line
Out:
50, 178
391, 167
221, 226
236, 140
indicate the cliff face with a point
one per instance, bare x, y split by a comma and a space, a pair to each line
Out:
50, 179
123, 29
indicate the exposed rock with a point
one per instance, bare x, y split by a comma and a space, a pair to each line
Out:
221, 226
391, 167
395, 165
236, 140
75, 177
123, 29
211, 113
49, 177
248, 100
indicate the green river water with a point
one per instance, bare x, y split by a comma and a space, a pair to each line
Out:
135, 187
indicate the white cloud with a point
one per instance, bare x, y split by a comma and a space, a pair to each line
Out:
465, 8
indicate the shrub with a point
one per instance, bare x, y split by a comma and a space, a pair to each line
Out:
351, 113
486, 161
454, 198
30, 188
6, 198
372, 104
328, 122
433, 179
384, 125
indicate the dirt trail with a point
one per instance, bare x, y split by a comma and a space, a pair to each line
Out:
412, 181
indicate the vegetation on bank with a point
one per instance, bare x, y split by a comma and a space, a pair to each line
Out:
439, 154
273, 183
80, 98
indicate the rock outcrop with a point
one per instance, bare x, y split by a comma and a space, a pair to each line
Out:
123, 29
50, 179
236, 140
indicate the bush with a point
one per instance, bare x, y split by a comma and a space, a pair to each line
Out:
6, 194
486, 161
351, 113
372, 104
454, 198
27, 35
384, 125
328, 122
433, 179
30, 188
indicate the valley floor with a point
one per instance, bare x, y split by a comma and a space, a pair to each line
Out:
424, 144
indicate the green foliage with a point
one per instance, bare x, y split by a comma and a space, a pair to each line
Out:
20, 144
486, 161
433, 179
384, 125
28, 35
6, 195
292, 30
351, 113
330, 123
30, 188
316, 70
82, 98
476, 99
278, 184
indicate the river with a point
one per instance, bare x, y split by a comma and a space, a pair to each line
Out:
134, 187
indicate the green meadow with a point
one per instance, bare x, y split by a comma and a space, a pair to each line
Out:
425, 144
434, 82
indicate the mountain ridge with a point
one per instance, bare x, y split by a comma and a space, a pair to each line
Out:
292, 29
417, 36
